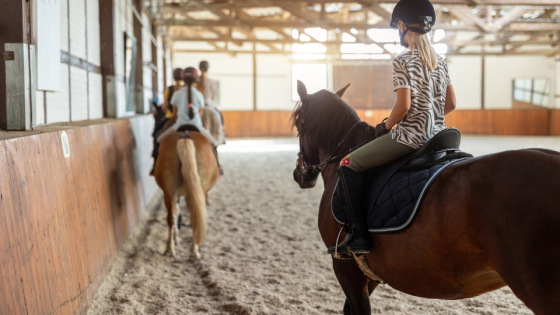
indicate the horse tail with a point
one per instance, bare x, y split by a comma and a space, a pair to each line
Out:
195, 194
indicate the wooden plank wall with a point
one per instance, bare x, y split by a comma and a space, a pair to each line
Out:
555, 123
371, 84
63, 219
486, 122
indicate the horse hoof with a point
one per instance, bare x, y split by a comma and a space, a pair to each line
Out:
195, 256
168, 251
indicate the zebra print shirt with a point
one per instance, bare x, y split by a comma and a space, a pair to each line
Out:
425, 117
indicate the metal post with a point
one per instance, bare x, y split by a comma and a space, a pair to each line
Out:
482, 80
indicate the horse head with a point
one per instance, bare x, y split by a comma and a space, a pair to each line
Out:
311, 115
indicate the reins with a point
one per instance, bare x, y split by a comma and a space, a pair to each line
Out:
331, 158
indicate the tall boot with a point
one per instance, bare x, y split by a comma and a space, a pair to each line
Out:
351, 193
155, 154
217, 160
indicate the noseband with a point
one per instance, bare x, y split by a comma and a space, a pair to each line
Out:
303, 167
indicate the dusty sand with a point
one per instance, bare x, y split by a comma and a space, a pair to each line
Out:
263, 253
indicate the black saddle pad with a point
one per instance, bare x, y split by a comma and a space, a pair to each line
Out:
399, 200
188, 128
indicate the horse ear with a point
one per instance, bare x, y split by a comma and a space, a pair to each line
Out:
343, 91
301, 90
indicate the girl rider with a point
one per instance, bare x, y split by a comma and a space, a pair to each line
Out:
167, 109
211, 117
187, 105
424, 96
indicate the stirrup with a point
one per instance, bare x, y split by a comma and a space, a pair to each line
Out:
337, 254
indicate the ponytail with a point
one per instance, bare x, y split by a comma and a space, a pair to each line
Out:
190, 76
426, 52
189, 99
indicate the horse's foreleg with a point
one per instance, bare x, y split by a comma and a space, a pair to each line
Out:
170, 204
176, 215
355, 285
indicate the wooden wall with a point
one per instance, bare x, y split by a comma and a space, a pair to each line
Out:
372, 84
554, 124
486, 122
63, 219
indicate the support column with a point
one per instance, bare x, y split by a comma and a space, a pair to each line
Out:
139, 75
108, 53
155, 62
482, 80
254, 76
16, 75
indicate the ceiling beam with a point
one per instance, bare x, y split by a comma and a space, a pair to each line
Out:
516, 53
514, 46
456, 2
302, 14
239, 23
518, 27
378, 10
464, 13
508, 18
294, 24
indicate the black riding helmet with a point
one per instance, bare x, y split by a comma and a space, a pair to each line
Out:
204, 65
178, 74
414, 12
190, 75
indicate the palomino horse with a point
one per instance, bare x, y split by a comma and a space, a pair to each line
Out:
186, 167
485, 222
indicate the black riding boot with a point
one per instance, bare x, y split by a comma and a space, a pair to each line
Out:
351, 193
217, 160
155, 153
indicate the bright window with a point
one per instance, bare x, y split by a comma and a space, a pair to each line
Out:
313, 75
533, 91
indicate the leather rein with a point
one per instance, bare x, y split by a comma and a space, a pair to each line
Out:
304, 167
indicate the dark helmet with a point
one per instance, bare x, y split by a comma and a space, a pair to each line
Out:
190, 75
414, 12
204, 65
178, 74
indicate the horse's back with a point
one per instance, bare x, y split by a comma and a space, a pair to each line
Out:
483, 221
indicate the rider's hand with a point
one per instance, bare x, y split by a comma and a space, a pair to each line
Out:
381, 129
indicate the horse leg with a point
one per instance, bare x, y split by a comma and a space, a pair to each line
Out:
176, 222
170, 204
371, 286
355, 285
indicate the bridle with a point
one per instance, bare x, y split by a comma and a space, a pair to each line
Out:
303, 166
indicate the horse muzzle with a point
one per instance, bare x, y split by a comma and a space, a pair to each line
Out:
304, 181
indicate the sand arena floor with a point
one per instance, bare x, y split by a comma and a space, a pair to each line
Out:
263, 253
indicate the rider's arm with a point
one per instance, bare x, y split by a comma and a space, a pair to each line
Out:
174, 111
165, 100
401, 108
450, 101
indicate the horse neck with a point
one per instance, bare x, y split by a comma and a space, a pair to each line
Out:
355, 137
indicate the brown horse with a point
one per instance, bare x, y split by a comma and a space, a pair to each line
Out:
186, 167
485, 222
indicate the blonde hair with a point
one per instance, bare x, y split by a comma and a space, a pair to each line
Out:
426, 52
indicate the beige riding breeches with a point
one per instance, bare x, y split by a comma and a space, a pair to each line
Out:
211, 120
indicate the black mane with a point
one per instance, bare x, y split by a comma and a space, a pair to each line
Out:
327, 118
